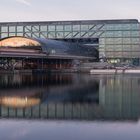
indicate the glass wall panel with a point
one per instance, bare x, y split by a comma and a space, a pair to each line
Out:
126, 33
117, 26
109, 54
84, 27
127, 54
136, 54
126, 26
12, 34
109, 48
76, 34
135, 26
3, 35
60, 34
51, 35
101, 53
102, 47
91, 26
28, 35
126, 40
102, 34
83, 34
4, 29
28, 29
109, 40
135, 40
117, 40
35, 28
126, 47
43, 28
12, 29
35, 35
109, 34
135, 33
19, 34
76, 27
98, 27
19, 28
43, 36
51, 28
136, 48
117, 33
101, 40
68, 28
98, 34
59, 28
118, 48
92, 34
118, 54
109, 27
68, 34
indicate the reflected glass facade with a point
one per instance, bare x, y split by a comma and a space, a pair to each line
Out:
118, 40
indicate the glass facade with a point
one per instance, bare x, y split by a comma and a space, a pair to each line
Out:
119, 40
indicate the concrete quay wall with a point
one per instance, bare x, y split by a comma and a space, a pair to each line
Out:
114, 71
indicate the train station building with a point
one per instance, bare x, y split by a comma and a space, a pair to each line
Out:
118, 41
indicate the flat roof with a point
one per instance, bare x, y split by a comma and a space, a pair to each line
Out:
115, 21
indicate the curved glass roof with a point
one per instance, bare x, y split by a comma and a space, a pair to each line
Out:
17, 41
48, 46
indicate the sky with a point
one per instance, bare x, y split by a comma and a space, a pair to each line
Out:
54, 10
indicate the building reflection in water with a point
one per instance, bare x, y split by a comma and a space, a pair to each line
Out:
70, 96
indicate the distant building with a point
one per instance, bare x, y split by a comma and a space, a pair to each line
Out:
115, 40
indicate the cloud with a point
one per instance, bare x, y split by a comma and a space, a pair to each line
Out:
25, 2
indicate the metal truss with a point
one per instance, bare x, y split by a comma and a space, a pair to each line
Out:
70, 34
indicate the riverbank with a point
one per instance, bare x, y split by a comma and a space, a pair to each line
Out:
91, 71
115, 71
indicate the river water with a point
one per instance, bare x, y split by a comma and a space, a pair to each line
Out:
69, 107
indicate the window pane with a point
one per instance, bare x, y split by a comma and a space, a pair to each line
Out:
4, 29
126, 33
19, 28
134, 26
51, 28
109, 41
19, 34
68, 34
59, 28
60, 34
76, 27
135, 33
43, 28
28, 29
127, 47
135, 40
51, 35
35, 28
67, 27
118, 34
12, 34
3, 35
12, 29
126, 41
109, 34
84, 27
